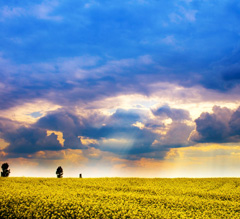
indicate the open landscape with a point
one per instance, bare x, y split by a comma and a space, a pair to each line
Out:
120, 198
139, 99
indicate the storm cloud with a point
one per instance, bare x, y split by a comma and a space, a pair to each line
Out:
24, 141
118, 133
175, 114
220, 126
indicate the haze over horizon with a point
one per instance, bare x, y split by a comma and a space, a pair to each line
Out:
135, 88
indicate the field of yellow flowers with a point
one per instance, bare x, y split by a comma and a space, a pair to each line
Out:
119, 198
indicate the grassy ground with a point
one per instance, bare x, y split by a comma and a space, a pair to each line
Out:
119, 198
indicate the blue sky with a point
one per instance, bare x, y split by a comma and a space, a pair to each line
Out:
120, 88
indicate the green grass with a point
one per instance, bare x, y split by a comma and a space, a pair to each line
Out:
119, 198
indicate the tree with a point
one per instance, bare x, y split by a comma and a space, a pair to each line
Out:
59, 172
5, 171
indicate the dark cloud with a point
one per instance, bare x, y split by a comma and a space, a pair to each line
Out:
175, 114
60, 121
118, 125
234, 123
178, 135
28, 140
68, 123
128, 141
124, 117
24, 141
7, 125
143, 141
211, 129
139, 142
220, 126
116, 133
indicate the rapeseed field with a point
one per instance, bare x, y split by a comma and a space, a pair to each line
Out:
119, 198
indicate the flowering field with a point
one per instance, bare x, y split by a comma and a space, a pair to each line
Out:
119, 198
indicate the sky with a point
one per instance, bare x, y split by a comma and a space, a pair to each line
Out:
133, 88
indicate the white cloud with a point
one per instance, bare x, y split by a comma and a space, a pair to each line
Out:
174, 17
41, 11
10, 12
183, 14
44, 10
91, 4
190, 15
170, 40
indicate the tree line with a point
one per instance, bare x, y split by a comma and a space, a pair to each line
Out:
5, 171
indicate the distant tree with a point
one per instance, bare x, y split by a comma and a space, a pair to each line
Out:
5, 171
59, 172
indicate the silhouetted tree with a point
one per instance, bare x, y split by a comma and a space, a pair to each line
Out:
59, 172
5, 171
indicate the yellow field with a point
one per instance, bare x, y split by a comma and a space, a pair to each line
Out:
119, 198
